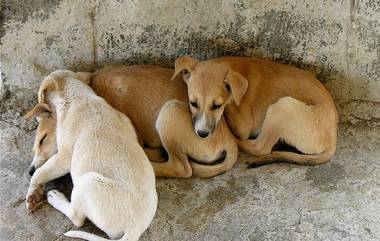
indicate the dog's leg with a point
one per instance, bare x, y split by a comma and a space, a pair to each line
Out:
172, 122
57, 166
260, 146
60, 202
205, 171
156, 154
93, 192
299, 125
263, 144
177, 166
275, 124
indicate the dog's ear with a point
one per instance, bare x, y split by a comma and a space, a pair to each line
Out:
39, 110
236, 84
85, 77
185, 65
49, 84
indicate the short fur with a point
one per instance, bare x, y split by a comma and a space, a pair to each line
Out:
114, 183
153, 87
261, 98
174, 127
140, 92
45, 142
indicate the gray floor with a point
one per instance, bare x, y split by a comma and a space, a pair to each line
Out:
335, 201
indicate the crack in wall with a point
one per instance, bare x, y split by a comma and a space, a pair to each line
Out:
350, 31
93, 28
348, 34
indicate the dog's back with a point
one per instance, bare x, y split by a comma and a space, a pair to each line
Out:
110, 133
114, 183
139, 91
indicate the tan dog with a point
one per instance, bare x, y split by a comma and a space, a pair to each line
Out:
140, 92
114, 183
184, 147
45, 142
266, 100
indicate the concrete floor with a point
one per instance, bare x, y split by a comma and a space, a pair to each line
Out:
335, 201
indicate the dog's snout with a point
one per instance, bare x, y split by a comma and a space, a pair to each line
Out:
203, 134
32, 169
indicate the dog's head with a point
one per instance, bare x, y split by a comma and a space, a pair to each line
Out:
55, 82
211, 87
45, 143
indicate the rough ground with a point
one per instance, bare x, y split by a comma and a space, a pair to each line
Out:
335, 201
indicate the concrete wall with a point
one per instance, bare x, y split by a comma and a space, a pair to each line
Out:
339, 40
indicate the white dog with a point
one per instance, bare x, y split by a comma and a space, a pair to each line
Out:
114, 183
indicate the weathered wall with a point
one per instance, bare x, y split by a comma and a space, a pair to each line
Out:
339, 40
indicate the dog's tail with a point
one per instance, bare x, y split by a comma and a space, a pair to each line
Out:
93, 237
292, 157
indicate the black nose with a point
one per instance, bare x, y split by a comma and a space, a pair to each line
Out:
32, 169
202, 134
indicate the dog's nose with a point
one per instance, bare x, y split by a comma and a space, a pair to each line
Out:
202, 134
32, 169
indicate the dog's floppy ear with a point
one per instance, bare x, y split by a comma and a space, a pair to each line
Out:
85, 77
185, 65
40, 110
236, 84
49, 84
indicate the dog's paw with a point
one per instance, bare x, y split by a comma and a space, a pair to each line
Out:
34, 198
55, 197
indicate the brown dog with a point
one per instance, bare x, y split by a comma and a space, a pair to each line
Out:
140, 92
266, 101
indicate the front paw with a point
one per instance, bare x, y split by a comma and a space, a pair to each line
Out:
34, 197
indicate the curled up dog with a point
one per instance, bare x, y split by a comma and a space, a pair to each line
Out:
264, 103
157, 105
114, 183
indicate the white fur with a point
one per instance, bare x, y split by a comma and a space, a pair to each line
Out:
201, 125
114, 182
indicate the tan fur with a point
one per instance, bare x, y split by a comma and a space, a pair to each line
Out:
147, 88
140, 92
175, 130
264, 99
114, 182
45, 143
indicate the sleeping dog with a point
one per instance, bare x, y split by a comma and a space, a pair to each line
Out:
263, 103
146, 94
114, 182
141, 91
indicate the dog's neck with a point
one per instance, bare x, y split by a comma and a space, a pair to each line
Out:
74, 90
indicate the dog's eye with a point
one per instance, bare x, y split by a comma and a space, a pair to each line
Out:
216, 106
42, 139
194, 104
228, 87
